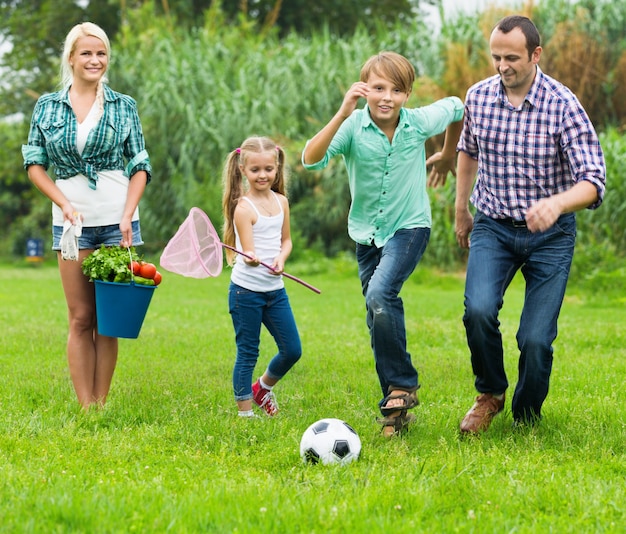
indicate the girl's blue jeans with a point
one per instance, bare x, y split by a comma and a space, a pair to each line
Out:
249, 310
497, 251
383, 271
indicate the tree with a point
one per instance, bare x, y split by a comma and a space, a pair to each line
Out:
34, 30
341, 17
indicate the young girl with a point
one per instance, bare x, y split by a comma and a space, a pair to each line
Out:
256, 221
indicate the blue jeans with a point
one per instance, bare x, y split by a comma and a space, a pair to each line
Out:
497, 251
249, 310
94, 236
383, 271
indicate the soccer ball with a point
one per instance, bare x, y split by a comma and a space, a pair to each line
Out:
330, 441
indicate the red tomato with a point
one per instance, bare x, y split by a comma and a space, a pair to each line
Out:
136, 266
147, 270
157, 278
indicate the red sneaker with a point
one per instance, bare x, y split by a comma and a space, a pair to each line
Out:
264, 398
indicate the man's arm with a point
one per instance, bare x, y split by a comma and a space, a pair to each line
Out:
467, 167
444, 162
545, 212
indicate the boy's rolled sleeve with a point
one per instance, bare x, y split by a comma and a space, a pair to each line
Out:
318, 165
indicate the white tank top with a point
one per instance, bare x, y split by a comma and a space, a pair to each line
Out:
267, 233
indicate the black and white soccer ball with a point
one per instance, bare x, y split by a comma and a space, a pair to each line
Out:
330, 441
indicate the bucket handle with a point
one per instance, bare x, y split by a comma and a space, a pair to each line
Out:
130, 266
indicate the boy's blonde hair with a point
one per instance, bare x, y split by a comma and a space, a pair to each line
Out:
392, 66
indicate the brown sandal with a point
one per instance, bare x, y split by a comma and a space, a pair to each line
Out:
396, 425
409, 400
396, 419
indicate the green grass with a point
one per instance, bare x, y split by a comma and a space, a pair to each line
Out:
168, 454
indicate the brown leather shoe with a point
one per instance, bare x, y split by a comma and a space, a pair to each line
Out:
482, 413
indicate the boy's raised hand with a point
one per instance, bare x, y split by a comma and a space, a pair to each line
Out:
351, 98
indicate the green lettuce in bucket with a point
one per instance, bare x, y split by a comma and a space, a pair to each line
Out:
113, 264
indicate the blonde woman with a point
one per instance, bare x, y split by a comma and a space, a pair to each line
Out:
92, 137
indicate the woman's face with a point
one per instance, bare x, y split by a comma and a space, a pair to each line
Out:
89, 60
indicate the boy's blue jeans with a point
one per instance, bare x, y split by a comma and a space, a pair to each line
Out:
383, 271
249, 310
497, 251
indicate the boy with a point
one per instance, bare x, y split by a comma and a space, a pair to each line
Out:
389, 219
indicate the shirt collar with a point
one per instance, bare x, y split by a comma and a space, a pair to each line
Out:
64, 95
367, 118
531, 96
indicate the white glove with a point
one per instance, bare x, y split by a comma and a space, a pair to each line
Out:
69, 239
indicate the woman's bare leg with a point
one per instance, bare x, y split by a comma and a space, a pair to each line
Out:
91, 357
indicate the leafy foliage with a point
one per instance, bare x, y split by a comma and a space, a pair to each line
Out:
204, 85
110, 264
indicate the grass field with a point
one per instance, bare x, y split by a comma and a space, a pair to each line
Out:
168, 454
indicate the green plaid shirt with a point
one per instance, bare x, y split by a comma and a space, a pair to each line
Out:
116, 139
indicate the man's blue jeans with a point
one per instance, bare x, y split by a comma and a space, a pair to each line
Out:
249, 310
383, 271
497, 251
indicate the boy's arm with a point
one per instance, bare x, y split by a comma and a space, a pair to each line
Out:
316, 148
444, 162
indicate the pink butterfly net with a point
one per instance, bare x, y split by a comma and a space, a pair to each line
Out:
195, 250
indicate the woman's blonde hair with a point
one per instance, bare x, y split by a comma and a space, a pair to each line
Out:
391, 66
233, 182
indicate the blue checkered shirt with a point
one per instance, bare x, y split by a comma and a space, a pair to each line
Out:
115, 143
524, 154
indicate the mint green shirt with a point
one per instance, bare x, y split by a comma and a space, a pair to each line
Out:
388, 180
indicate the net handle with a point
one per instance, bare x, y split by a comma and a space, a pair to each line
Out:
287, 275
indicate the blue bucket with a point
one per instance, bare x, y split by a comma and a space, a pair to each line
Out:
121, 308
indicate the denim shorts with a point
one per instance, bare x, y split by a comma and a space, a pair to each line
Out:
94, 236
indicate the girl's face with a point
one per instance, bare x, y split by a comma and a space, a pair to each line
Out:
89, 60
260, 170
385, 101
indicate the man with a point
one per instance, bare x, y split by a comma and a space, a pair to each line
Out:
536, 159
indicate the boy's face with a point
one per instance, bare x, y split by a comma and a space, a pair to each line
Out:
385, 101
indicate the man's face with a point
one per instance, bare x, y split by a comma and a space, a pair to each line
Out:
510, 59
